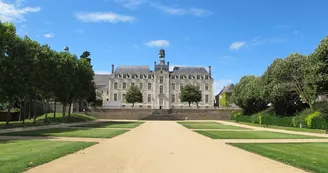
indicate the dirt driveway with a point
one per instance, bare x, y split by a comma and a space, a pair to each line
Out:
163, 147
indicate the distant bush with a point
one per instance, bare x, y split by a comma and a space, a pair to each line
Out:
315, 121
237, 116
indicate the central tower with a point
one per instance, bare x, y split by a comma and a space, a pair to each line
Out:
162, 66
161, 56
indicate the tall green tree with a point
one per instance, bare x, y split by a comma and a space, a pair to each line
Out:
321, 56
134, 95
191, 94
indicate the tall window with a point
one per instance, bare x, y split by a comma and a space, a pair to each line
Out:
206, 98
173, 76
206, 76
107, 92
161, 89
124, 76
123, 97
173, 86
124, 85
181, 76
141, 76
149, 86
189, 77
115, 85
161, 79
115, 97
149, 98
181, 86
141, 86
173, 98
133, 76
149, 76
206, 86
198, 76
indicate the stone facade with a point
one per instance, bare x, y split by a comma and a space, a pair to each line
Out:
160, 87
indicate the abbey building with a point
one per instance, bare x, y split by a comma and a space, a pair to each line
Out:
160, 86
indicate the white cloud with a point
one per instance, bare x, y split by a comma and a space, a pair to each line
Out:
198, 12
237, 45
102, 72
219, 85
13, 12
158, 43
109, 17
296, 32
49, 35
131, 4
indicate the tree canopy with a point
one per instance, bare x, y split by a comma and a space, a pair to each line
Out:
191, 94
134, 95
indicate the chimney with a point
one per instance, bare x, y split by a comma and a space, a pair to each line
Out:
168, 63
210, 70
112, 68
154, 65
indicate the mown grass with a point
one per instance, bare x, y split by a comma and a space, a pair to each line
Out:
18, 156
50, 120
70, 132
309, 156
251, 135
114, 124
288, 128
207, 125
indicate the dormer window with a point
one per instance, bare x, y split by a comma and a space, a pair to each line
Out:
206, 76
124, 76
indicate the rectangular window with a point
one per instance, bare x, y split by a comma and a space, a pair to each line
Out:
161, 89
206, 98
141, 86
173, 86
123, 97
198, 76
124, 85
161, 79
141, 76
189, 76
206, 76
149, 98
173, 76
181, 86
161, 101
149, 86
173, 98
116, 75
124, 76
115, 97
181, 76
115, 85
206, 87
149, 76
107, 92
132, 76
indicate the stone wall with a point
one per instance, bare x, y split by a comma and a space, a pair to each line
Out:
150, 114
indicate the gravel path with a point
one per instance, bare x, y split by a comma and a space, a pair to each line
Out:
163, 147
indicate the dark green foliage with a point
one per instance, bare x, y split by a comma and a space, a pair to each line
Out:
315, 121
191, 94
134, 95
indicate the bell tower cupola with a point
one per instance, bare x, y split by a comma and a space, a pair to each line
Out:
161, 56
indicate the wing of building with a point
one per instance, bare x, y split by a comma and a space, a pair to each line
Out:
160, 86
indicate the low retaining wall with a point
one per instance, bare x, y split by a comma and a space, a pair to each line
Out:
140, 114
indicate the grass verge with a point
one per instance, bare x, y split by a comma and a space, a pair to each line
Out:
18, 156
309, 156
113, 124
207, 125
70, 132
50, 120
252, 135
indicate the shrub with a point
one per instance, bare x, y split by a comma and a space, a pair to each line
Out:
255, 119
237, 117
315, 121
265, 120
283, 121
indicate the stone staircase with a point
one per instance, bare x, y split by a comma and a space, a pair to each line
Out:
164, 115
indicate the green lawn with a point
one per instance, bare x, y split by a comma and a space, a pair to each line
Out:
18, 156
114, 124
50, 120
309, 156
288, 128
251, 135
207, 125
71, 132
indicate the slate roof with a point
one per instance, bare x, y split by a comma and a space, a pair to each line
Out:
101, 80
132, 69
227, 89
200, 70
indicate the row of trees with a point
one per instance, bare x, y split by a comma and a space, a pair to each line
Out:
30, 71
288, 84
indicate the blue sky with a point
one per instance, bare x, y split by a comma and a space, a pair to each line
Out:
235, 37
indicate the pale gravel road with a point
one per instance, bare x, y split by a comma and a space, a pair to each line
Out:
163, 147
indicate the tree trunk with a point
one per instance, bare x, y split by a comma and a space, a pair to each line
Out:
25, 110
189, 104
69, 110
64, 111
29, 110
55, 104
132, 105
46, 116
8, 116
20, 113
34, 112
